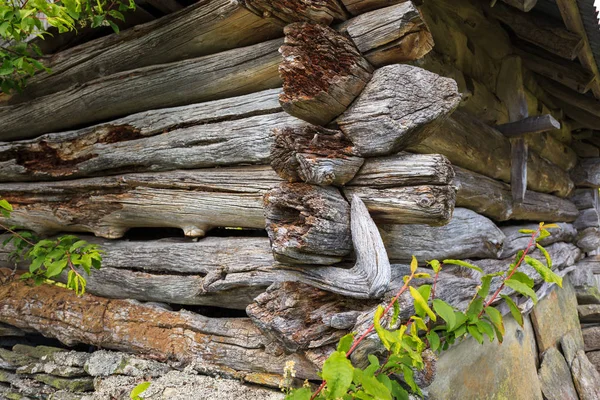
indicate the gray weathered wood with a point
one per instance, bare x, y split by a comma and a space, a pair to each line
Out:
494, 200
523, 5
314, 155
126, 325
467, 235
585, 198
356, 7
518, 169
536, 124
224, 272
587, 173
321, 11
307, 224
226, 74
322, 72
540, 31
425, 204
390, 35
588, 239
588, 218
471, 144
584, 149
404, 169
585, 103
393, 109
217, 133
516, 241
368, 278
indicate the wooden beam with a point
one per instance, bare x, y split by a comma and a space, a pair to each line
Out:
537, 124
568, 73
587, 173
539, 30
523, 5
560, 92
518, 169
573, 21
357, 7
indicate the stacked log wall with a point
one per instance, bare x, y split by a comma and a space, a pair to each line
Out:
242, 153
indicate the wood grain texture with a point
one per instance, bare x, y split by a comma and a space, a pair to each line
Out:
587, 173
585, 103
494, 200
226, 74
536, 124
320, 11
322, 72
585, 198
518, 169
307, 224
539, 30
522, 5
390, 35
314, 155
516, 241
217, 133
467, 235
356, 7
368, 278
393, 109
471, 144
222, 344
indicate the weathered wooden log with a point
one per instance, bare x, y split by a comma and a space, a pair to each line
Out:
471, 144
587, 173
390, 35
516, 241
585, 103
322, 72
425, 204
588, 239
314, 155
588, 218
226, 74
393, 109
467, 235
357, 7
494, 200
368, 278
307, 224
585, 198
128, 326
217, 133
404, 169
224, 272
195, 201
523, 5
519, 152
321, 11
539, 30
204, 28
537, 124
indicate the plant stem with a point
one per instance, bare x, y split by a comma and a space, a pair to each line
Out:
6, 228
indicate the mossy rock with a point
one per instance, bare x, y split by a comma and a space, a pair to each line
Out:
72, 385
13, 360
37, 351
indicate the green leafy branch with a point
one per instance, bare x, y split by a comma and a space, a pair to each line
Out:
49, 258
20, 20
424, 330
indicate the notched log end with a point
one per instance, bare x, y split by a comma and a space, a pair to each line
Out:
307, 224
288, 11
322, 72
314, 155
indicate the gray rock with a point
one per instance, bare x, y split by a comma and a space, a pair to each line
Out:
594, 357
11, 360
585, 284
71, 385
52, 369
36, 351
555, 377
65, 395
507, 371
68, 359
591, 338
589, 312
585, 377
104, 363
570, 344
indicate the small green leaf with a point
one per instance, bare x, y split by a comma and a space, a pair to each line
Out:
463, 264
445, 311
395, 314
375, 388
486, 281
545, 272
421, 304
496, 317
546, 255
413, 265
299, 394
56, 268
6, 205
398, 391
522, 289
485, 328
528, 231
345, 343
434, 340
338, 372
523, 278
474, 309
435, 265
514, 310
139, 389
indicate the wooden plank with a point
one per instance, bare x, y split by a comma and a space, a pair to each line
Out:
585, 103
536, 124
129, 326
226, 74
567, 73
318, 92
390, 35
357, 7
522, 5
415, 104
518, 169
572, 19
493, 199
584, 149
539, 30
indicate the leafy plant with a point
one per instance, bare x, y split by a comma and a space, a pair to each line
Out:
49, 258
435, 325
22, 19
139, 389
